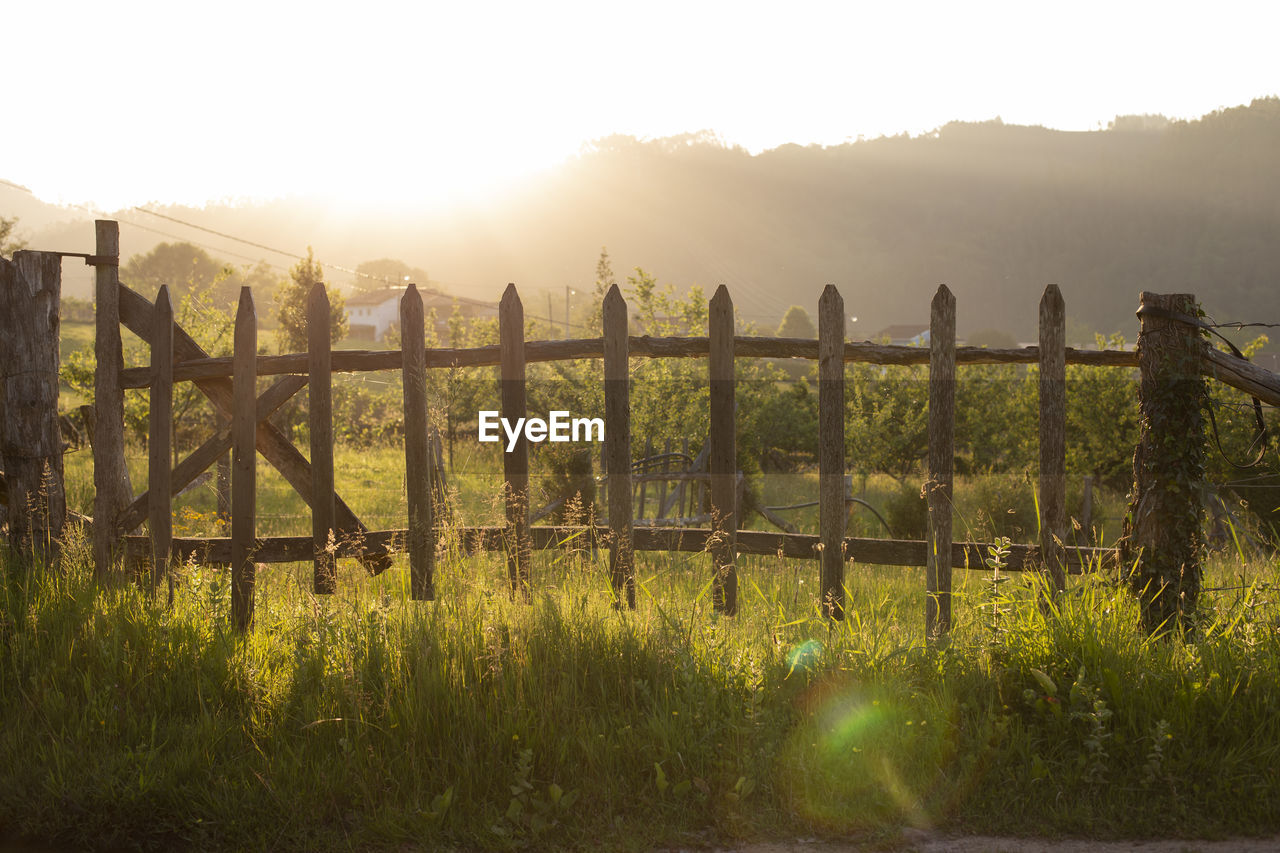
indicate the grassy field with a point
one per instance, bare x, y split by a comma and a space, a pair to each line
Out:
368, 721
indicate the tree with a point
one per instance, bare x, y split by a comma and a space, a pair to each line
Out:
187, 268
182, 266
371, 275
605, 279
9, 245
291, 306
796, 324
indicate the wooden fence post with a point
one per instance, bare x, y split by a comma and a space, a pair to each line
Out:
1053, 435
30, 438
515, 465
320, 389
244, 462
833, 516
1162, 540
723, 454
112, 489
617, 441
942, 413
419, 487
159, 458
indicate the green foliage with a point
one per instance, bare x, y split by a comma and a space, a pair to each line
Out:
8, 242
182, 266
999, 506
796, 324
389, 271
569, 479
1102, 420
291, 306
785, 425
907, 512
186, 267
886, 419
474, 722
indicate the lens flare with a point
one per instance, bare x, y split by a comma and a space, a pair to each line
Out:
805, 656
859, 758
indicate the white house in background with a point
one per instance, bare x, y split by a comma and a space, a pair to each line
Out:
374, 311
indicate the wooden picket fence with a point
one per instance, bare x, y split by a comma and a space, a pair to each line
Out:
230, 384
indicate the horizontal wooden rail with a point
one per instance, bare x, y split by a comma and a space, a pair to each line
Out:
354, 361
474, 540
1247, 377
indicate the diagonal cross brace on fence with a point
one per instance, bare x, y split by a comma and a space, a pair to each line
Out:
136, 314
186, 471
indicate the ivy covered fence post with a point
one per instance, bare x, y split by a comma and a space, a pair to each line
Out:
1162, 545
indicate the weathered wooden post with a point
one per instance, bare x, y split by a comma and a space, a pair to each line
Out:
30, 438
159, 459
938, 487
324, 532
515, 465
1162, 541
244, 461
417, 447
112, 489
617, 446
1053, 435
833, 516
723, 456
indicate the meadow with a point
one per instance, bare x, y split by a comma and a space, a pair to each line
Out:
366, 720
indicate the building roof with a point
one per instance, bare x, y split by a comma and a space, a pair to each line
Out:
431, 298
375, 297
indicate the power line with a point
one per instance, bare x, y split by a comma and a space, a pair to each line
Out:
338, 267
256, 245
226, 236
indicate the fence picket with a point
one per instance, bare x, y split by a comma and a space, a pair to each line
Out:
515, 465
1053, 433
244, 462
723, 455
617, 440
320, 415
112, 490
942, 414
832, 515
159, 457
417, 448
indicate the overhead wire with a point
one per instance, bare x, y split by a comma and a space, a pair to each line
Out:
263, 246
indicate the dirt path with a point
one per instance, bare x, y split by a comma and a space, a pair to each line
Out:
921, 842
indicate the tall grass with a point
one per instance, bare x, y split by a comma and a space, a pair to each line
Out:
368, 720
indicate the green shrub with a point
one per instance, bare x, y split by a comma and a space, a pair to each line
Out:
907, 513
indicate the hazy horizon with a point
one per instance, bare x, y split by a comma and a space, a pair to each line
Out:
393, 106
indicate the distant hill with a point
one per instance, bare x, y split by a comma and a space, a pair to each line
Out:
996, 211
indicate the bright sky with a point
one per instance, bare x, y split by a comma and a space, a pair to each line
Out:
122, 103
